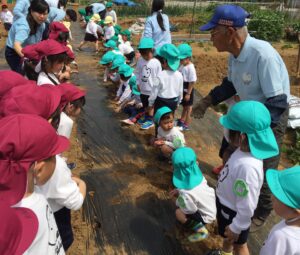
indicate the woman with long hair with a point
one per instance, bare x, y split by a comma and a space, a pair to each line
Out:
157, 25
25, 31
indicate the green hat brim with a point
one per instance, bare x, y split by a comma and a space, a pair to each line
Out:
160, 112
187, 181
184, 56
128, 73
173, 63
262, 143
109, 4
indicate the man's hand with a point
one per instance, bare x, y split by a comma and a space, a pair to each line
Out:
200, 109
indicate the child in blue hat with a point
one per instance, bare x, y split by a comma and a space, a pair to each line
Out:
196, 201
127, 82
169, 138
106, 61
147, 69
242, 177
284, 237
189, 74
113, 71
167, 89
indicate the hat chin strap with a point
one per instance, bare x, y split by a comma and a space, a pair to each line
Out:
292, 220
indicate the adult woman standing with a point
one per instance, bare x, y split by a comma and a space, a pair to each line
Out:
24, 31
157, 25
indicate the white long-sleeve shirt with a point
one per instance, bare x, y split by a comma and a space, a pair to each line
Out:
127, 90
146, 72
93, 28
173, 138
283, 239
61, 191
169, 84
44, 79
239, 187
201, 198
65, 125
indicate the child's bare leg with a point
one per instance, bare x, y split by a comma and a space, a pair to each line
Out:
227, 246
183, 114
180, 216
81, 44
241, 249
166, 150
187, 119
97, 46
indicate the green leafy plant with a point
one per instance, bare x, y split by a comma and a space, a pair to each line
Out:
266, 25
293, 153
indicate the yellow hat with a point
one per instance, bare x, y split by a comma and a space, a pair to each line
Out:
108, 20
95, 18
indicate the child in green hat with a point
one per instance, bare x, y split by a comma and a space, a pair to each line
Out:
113, 72
242, 177
110, 12
196, 201
188, 72
126, 48
167, 89
169, 138
112, 45
284, 237
147, 69
127, 81
106, 61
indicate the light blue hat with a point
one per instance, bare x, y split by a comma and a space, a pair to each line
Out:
185, 51
125, 70
107, 58
111, 44
253, 119
171, 54
146, 43
187, 174
160, 112
285, 185
118, 61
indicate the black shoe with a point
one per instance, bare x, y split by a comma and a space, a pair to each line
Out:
214, 252
72, 165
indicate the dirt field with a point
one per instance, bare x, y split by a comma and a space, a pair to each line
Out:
127, 209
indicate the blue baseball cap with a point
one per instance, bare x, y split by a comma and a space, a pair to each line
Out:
227, 15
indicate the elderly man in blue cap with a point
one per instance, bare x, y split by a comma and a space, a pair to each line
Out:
255, 72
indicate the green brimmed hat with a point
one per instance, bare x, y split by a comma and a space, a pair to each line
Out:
107, 58
185, 51
118, 61
134, 86
101, 23
111, 44
125, 70
285, 185
171, 54
146, 43
82, 12
253, 119
160, 112
187, 174
127, 33
117, 29
109, 4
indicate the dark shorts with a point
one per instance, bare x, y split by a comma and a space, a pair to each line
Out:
169, 102
144, 99
13, 60
7, 26
63, 222
90, 37
225, 216
196, 217
191, 101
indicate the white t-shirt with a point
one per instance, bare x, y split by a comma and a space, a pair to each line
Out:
239, 187
112, 14
146, 72
47, 240
125, 48
44, 79
65, 125
173, 138
282, 240
93, 28
169, 84
188, 72
109, 32
52, 3
201, 198
127, 91
6, 17
60, 190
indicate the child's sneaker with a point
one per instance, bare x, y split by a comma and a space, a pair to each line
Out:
147, 124
218, 169
128, 122
141, 120
199, 236
184, 127
179, 123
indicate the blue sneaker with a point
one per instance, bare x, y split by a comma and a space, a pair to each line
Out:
141, 120
184, 127
147, 124
179, 123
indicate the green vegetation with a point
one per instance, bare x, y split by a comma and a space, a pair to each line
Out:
294, 152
